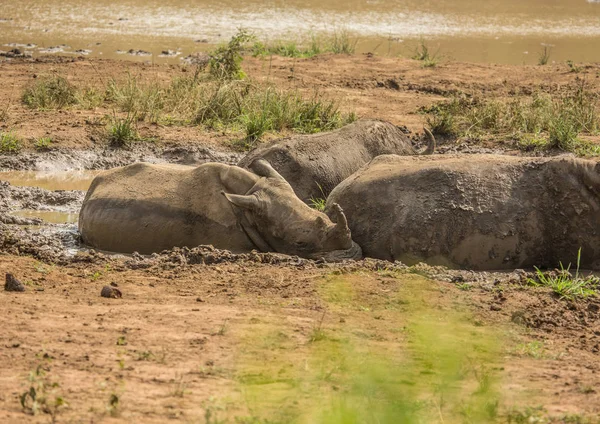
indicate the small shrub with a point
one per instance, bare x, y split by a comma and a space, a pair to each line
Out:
225, 61
121, 132
43, 143
9, 143
53, 92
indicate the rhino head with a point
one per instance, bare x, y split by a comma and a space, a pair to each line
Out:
275, 219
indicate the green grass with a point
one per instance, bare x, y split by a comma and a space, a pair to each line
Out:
257, 109
340, 42
540, 121
49, 92
443, 370
565, 284
9, 142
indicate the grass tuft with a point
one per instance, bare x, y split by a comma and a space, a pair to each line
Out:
121, 132
43, 143
53, 92
544, 56
423, 53
342, 43
566, 285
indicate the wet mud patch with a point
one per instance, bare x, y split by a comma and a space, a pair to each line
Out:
99, 159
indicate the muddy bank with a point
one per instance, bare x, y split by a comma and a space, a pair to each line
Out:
105, 158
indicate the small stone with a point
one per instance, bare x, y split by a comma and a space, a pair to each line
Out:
12, 284
199, 299
111, 292
113, 284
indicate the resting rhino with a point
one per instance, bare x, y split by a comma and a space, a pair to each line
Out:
314, 164
148, 208
475, 211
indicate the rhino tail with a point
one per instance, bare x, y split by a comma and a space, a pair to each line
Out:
430, 144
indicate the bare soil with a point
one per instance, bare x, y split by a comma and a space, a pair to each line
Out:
195, 334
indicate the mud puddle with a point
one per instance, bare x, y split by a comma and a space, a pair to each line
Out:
51, 217
61, 180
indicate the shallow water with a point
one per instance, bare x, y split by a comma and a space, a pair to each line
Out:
506, 31
64, 180
51, 217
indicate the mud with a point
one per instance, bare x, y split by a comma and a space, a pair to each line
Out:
105, 158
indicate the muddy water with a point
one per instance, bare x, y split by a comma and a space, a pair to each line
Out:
505, 31
67, 180
51, 217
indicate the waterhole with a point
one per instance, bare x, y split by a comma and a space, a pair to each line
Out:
501, 31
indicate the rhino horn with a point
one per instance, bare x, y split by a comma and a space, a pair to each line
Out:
246, 202
430, 144
264, 169
341, 223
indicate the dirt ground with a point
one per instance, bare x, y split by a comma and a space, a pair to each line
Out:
256, 339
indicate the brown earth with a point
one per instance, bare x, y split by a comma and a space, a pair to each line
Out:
208, 342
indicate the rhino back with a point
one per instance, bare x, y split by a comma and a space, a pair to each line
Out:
480, 211
315, 164
149, 208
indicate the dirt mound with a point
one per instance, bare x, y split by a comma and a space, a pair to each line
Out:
47, 248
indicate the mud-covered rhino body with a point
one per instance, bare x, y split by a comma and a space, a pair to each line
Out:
148, 208
314, 164
475, 211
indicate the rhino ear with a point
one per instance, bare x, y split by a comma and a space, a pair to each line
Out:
264, 169
321, 223
246, 202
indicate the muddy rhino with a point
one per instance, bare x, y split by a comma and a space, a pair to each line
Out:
315, 164
148, 208
477, 211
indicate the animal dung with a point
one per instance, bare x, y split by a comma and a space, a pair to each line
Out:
12, 284
111, 292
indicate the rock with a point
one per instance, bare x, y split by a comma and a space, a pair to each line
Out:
111, 292
12, 284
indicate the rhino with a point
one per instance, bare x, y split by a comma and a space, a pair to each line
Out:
314, 164
148, 208
480, 212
